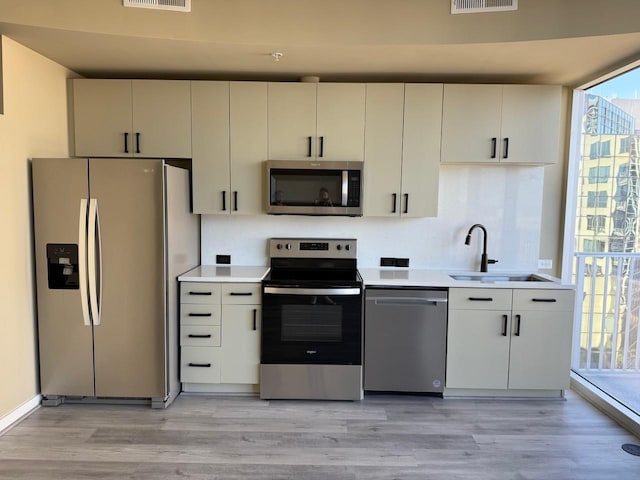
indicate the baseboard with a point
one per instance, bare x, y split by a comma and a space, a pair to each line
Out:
607, 405
13, 417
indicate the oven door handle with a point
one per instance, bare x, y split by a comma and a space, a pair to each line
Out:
311, 291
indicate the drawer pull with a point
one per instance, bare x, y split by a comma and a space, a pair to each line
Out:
481, 299
200, 314
197, 335
241, 294
203, 365
201, 293
545, 300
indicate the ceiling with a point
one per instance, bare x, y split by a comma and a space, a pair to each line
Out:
126, 42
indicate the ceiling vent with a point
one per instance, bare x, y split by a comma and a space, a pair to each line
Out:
478, 6
174, 5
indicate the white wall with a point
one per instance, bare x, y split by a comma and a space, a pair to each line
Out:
507, 200
34, 124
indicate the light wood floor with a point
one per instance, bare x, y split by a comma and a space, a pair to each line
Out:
382, 437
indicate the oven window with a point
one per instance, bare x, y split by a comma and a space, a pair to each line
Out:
322, 188
311, 323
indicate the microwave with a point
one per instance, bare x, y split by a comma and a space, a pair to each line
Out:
305, 187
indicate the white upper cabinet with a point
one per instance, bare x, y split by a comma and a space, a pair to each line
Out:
229, 146
211, 172
132, 118
402, 149
316, 121
383, 149
501, 124
248, 127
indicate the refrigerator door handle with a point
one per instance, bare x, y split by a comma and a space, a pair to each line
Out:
82, 261
95, 262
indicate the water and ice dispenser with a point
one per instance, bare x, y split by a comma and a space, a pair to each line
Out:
62, 266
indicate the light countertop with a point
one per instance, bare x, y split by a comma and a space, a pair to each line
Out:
412, 277
224, 273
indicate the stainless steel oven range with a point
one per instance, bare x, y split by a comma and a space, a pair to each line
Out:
312, 298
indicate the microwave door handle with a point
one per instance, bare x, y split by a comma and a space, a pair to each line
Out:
345, 187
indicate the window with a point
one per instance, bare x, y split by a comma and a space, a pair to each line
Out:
625, 144
599, 174
596, 223
622, 192
596, 199
605, 148
593, 150
619, 219
590, 245
616, 244
623, 170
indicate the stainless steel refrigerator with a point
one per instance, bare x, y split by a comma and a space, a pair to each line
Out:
111, 237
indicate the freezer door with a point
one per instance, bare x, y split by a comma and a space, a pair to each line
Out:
129, 341
60, 192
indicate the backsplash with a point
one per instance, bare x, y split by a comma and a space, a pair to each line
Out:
506, 200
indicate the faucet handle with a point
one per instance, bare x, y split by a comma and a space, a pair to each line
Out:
491, 261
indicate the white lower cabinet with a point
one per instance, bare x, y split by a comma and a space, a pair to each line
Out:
220, 340
509, 339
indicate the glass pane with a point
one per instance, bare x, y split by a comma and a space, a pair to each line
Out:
607, 224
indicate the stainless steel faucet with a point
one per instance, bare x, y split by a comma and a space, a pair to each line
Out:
485, 260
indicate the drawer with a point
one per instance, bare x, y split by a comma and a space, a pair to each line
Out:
200, 335
199, 314
542, 299
241, 293
480, 298
200, 364
199, 292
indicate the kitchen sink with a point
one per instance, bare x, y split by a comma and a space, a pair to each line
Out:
491, 277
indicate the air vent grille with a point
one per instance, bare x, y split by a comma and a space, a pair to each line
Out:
174, 5
477, 6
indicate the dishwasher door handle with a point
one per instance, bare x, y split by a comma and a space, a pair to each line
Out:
403, 301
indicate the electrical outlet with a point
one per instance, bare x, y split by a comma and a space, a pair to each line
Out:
223, 259
402, 262
387, 262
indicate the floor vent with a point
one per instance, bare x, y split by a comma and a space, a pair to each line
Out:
477, 6
174, 5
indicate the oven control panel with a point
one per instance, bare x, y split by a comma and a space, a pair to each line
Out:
313, 247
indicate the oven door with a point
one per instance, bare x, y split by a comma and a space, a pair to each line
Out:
311, 325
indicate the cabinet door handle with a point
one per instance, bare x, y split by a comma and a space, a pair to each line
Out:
321, 147
481, 299
505, 319
224, 200
200, 293
544, 300
309, 152
126, 142
235, 201
494, 144
240, 294
195, 335
395, 202
517, 332
506, 148
406, 203
255, 319
204, 365
137, 142
200, 315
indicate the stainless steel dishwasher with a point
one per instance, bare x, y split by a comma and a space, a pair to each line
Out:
405, 339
